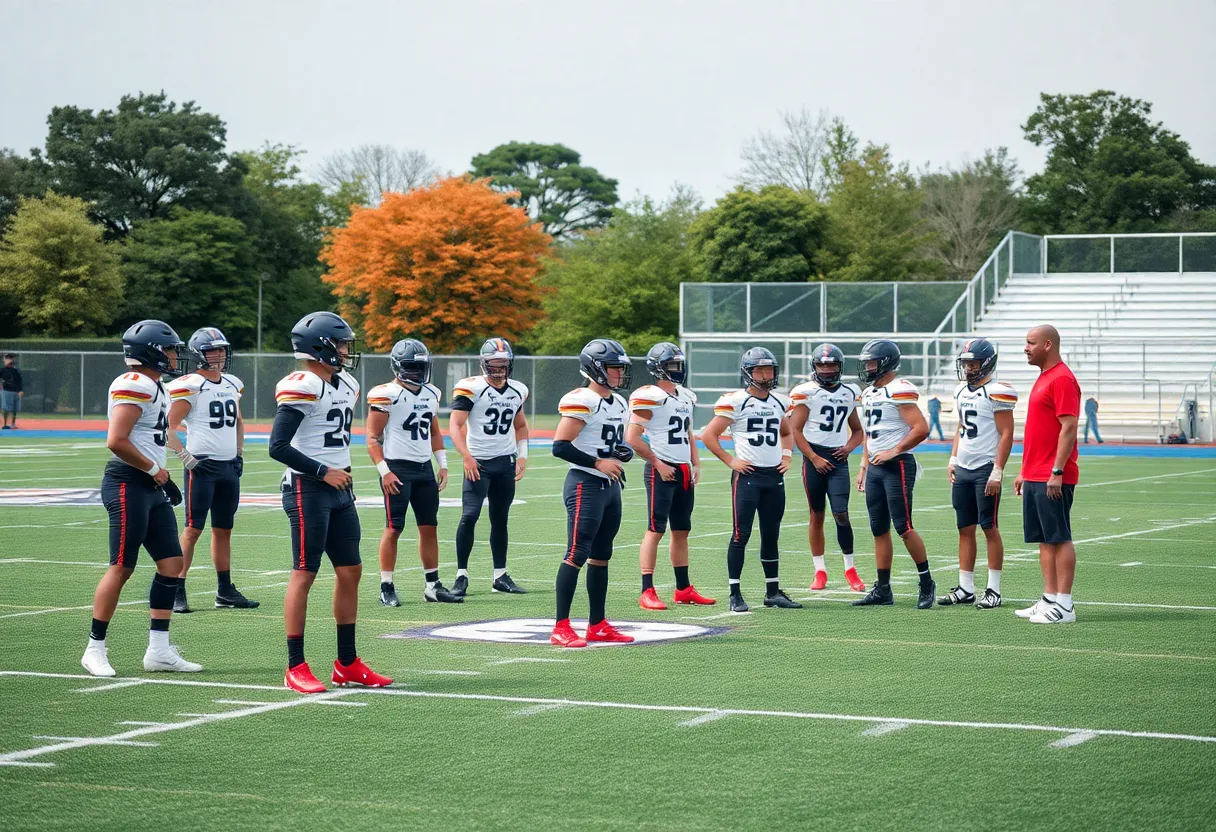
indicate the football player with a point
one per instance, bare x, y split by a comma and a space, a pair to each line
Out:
764, 446
311, 436
977, 461
820, 410
490, 433
208, 402
591, 437
403, 432
893, 426
139, 495
660, 432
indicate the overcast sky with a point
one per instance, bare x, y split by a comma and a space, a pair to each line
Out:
651, 93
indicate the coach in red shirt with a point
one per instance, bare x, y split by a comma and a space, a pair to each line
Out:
1049, 475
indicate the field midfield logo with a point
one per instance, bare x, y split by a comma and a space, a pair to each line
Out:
536, 631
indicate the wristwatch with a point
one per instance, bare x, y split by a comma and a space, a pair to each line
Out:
1057, 472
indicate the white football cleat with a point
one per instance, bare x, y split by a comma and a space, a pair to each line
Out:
1037, 607
96, 659
1054, 614
168, 659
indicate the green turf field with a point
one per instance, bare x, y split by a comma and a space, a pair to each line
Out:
828, 717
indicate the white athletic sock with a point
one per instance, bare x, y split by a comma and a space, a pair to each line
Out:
158, 639
1064, 599
848, 562
462, 573
386, 577
732, 581
820, 566
966, 581
994, 580
1050, 596
498, 573
96, 644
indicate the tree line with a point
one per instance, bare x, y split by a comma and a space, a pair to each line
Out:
143, 211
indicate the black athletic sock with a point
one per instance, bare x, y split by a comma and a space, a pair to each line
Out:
922, 569
734, 562
771, 587
884, 577
295, 650
346, 644
161, 624
682, 581
844, 536
597, 592
223, 577
98, 630
567, 582
647, 581
431, 576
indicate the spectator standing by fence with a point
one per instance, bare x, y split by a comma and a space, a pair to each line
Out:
10, 391
935, 417
1091, 419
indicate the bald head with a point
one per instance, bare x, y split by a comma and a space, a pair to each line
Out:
1043, 346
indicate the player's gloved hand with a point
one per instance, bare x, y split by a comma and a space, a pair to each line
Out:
172, 492
623, 452
238, 465
188, 459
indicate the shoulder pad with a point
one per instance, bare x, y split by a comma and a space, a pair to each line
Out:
727, 403
645, 398
1002, 393
782, 399
579, 403
382, 395
468, 387
236, 382
802, 392
184, 387
435, 391
300, 386
962, 385
135, 388
903, 391
519, 387
687, 395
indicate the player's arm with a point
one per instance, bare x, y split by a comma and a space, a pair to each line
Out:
377, 423
458, 426
441, 454
563, 448
787, 445
958, 432
178, 411
918, 431
287, 420
1004, 446
865, 461
521, 443
856, 436
711, 436
118, 440
694, 457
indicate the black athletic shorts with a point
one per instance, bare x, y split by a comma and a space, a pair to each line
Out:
835, 485
972, 507
593, 516
322, 519
1045, 520
140, 515
669, 501
889, 495
419, 490
214, 487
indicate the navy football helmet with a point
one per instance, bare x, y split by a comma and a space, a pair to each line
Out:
204, 341
411, 362
666, 362
758, 357
598, 356
145, 343
317, 337
886, 355
829, 354
976, 349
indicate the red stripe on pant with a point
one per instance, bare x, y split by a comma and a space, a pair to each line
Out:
122, 519
996, 511
903, 483
578, 507
388, 514
734, 502
300, 513
189, 489
652, 497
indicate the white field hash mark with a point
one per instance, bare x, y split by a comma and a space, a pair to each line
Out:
536, 705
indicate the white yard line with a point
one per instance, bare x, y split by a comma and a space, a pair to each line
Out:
884, 728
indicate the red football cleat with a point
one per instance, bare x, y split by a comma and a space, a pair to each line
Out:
563, 635
650, 600
689, 595
606, 632
357, 673
821, 580
301, 680
855, 581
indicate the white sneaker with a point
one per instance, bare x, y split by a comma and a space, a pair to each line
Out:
1054, 614
96, 659
1037, 607
170, 659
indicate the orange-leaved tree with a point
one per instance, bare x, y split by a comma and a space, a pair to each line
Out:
451, 263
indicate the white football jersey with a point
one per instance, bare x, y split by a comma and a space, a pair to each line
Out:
670, 421
881, 418
604, 423
329, 412
828, 412
491, 426
755, 425
151, 429
411, 418
214, 408
977, 433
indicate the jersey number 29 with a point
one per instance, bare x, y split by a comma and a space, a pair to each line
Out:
340, 435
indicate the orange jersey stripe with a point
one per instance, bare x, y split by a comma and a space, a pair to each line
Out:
133, 394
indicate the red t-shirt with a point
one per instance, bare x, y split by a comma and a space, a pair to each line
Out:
1055, 393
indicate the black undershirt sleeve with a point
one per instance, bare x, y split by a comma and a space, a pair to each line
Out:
564, 449
286, 422
462, 403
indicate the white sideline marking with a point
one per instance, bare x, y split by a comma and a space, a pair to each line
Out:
140, 722
541, 708
1133, 563
884, 728
520, 659
1073, 739
712, 716
345, 704
1143, 479
134, 603
97, 741
126, 683
124, 738
245, 702
439, 672
821, 596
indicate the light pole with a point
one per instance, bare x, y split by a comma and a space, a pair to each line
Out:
257, 358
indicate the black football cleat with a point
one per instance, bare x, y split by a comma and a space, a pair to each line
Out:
388, 596
990, 600
461, 587
956, 597
924, 600
180, 604
230, 598
440, 593
879, 596
737, 604
505, 584
781, 600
